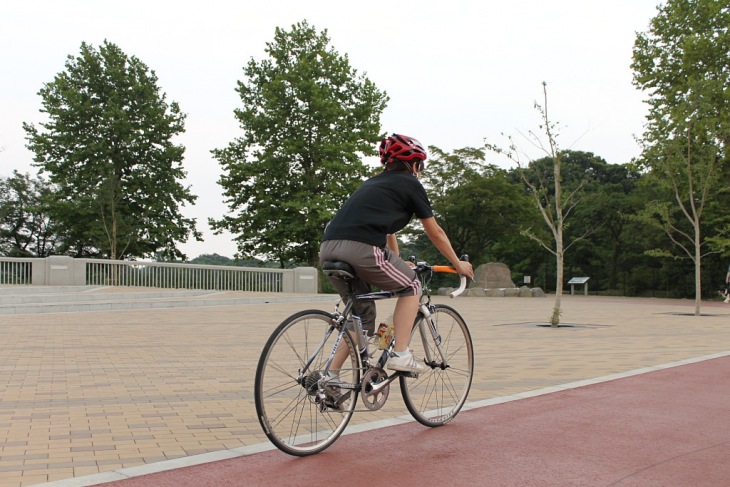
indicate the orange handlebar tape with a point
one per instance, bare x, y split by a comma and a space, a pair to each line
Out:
444, 268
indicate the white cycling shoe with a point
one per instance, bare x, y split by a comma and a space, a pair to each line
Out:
405, 363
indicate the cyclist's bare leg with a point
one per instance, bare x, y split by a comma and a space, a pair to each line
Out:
403, 317
340, 356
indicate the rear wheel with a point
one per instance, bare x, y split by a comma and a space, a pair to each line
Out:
437, 395
298, 411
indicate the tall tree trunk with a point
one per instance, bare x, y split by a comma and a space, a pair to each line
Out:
114, 251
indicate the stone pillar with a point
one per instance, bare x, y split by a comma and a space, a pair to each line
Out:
305, 280
38, 272
59, 271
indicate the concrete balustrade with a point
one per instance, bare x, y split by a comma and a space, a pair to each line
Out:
66, 271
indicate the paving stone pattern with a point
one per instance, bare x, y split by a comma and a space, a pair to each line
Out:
90, 392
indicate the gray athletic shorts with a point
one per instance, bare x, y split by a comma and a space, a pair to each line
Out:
373, 266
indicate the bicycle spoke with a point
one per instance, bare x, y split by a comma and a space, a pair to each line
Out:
289, 400
437, 395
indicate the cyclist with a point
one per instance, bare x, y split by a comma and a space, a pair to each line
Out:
362, 233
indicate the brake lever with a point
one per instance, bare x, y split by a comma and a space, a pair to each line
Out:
465, 258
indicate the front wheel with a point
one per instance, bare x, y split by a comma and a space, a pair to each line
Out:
438, 394
297, 411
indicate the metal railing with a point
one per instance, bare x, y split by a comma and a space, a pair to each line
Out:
182, 276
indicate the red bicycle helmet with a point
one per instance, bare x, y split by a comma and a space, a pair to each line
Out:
401, 148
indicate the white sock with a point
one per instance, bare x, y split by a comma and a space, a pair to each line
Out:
400, 354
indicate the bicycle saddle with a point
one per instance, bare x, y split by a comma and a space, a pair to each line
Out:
337, 268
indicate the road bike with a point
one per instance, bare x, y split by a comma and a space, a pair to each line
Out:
303, 408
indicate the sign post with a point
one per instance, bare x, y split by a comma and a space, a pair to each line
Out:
579, 280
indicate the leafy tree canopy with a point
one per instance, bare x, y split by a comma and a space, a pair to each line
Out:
475, 203
308, 119
682, 62
25, 227
108, 148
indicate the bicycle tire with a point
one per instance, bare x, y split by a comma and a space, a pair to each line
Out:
437, 395
288, 410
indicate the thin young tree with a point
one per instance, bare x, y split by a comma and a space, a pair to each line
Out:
682, 63
546, 190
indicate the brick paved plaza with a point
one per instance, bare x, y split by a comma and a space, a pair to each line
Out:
98, 391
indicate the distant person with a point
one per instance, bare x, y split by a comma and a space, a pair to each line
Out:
727, 286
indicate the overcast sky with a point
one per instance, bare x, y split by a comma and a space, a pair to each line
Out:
456, 71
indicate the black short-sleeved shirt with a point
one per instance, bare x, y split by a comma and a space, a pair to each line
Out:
383, 204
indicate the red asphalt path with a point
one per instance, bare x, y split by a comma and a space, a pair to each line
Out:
665, 428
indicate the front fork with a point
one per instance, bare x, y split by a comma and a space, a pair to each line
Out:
427, 326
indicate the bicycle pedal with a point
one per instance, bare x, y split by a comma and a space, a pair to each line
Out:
409, 375
343, 398
335, 403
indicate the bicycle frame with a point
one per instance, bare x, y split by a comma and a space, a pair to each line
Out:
305, 393
363, 361
340, 319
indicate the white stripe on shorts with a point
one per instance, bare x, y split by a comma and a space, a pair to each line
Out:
391, 271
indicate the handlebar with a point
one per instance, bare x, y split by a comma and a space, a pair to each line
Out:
423, 266
462, 286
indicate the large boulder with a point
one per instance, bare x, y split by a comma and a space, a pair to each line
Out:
492, 276
525, 292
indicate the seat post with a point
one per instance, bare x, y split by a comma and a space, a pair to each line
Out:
350, 288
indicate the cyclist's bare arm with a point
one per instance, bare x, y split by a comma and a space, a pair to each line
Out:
392, 243
437, 235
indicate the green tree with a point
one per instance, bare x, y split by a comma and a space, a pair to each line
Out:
476, 204
212, 259
26, 230
544, 183
308, 119
602, 216
683, 64
108, 149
